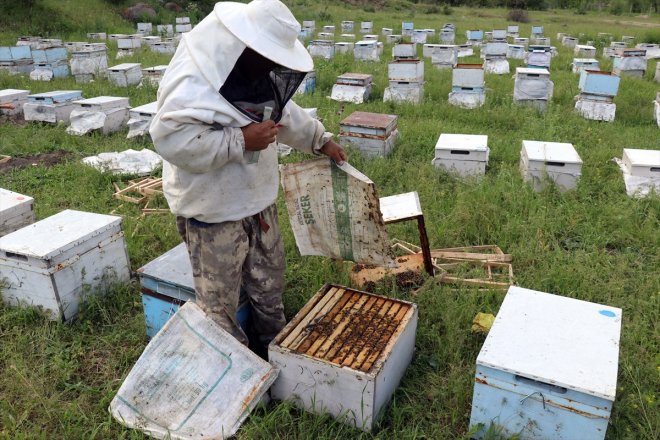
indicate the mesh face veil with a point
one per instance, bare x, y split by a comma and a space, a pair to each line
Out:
256, 82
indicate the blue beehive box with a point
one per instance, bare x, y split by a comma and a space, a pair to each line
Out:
166, 284
601, 83
9, 54
537, 29
407, 25
474, 35
50, 55
60, 68
55, 97
548, 368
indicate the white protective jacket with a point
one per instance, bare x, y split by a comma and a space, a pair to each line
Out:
197, 132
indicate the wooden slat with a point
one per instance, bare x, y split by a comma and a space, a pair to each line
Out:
334, 295
304, 313
316, 338
382, 343
352, 336
327, 346
382, 306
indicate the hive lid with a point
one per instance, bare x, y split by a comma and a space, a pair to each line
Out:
532, 71
644, 158
155, 69
367, 43
150, 108
355, 78
56, 96
585, 46
13, 94
557, 340
371, 120
125, 66
471, 142
51, 236
173, 266
103, 102
585, 61
193, 380
10, 201
400, 207
550, 152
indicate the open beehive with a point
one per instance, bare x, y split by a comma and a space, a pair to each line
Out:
344, 353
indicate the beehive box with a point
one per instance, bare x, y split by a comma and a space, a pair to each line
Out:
347, 26
124, 75
166, 283
583, 50
447, 36
386, 31
521, 40
115, 37
105, 113
580, 64
50, 55
165, 29
16, 211
373, 134
350, 37
366, 27
14, 97
541, 162
411, 70
557, 384
516, 52
496, 64
630, 62
325, 36
401, 91
97, 35
569, 42
495, 49
186, 20
429, 32
154, 74
308, 84
329, 29
468, 76
129, 41
596, 82
140, 119
48, 71
539, 58
344, 47
474, 35
542, 41
428, 48
352, 87
512, 29
642, 163
74, 46
144, 28
404, 50
151, 40
594, 109
464, 50
88, 64
391, 39
537, 30
418, 36
168, 47
657, 73
322, 48
51, 107
55, 262
366, 50
499, 34
462, 154
444, 56
407, 28
344, 353
17, 59
182, 28
532, 84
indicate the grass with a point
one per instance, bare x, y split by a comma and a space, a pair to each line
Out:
593, 243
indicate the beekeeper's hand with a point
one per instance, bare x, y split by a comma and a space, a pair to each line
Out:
334, 151
259, 135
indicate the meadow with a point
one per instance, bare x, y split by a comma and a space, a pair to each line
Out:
594, 243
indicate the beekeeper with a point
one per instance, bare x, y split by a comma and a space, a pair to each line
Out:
237, 62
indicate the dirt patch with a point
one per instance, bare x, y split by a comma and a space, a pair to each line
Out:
41, 159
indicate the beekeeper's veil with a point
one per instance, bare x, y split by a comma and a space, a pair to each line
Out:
227, 48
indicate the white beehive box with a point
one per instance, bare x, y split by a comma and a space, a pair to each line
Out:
532, 84
582, 50
404, 50
366, 27
410, 70
465, 50
115, 37
347, 26
89, 63
55, 262
391, 39
184, 20
542, 40
144, 28
352, 87
444, 56
542, 384
16, 211
521, 40
168, 47
329, 29
386, 31
499, 34
322, 48
447, 36
462, 154
51, 107
344, 47
642, 163
323, 370
495, 48
72, 46
516, 52
595, 110
97, 36
140, 119
512, 29
154, 74
130, 41
166, 30
366, 50
151, 40
350, 37
580, 64
124, 75
539, 58
468, 76
182, 28
558, 162
107, 114
428, 48
14, 97
631, 62
401, 91
419, 36
370, 37
569, 42
373, 134
325, 36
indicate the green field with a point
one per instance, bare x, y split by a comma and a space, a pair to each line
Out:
593, 243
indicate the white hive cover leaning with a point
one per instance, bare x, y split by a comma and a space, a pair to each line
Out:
193, 381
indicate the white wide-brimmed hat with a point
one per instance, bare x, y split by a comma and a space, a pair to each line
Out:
269, 28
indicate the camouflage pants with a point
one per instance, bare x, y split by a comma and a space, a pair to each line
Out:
247, 253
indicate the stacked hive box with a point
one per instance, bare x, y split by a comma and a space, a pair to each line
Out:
537, 33
418, 36
352, 87
468, 86
652, 50
499, 35
15, 98
404, 51
17, 59
130, 42
406, 77
582, 50
545, 162
154, 74
349, 376
166, 283
386, 31
150, 40
89, 63
428, 48
168, 47
597, 92
16, 211
140, 119
124, 75
516, 51
51, 107
474, 37
629, 62
538, 384
105, 113
464, 50
347, 26
182, 25
366, 50
569, 41
608, 52
539, 56
344, 47
144, 28
462, 154
447, 35
532, 87
407, 28
580, 64
494, 54
374, 134
512, 31
73, 46
55, 262
97, 36
50, 63
165, 30
322, 48
444, 56
367, 27
521, 40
